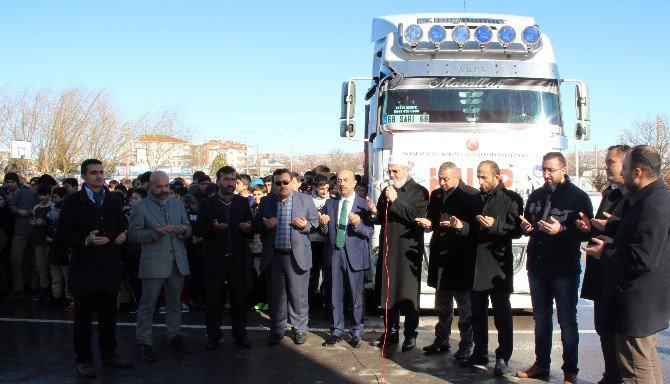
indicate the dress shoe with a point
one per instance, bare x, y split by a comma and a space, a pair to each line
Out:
570, 378
178, 344
501, 368
393, 338
472, 361
436, 347
461, 355
86, 370
533, 371
212, 343
331, 341
146, 353
117, 362
300, 338
356, 341
408, 344
275, 338
243, 342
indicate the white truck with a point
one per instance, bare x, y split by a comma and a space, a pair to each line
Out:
462, 88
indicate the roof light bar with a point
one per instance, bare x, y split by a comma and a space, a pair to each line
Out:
506, 35
437, 34
531, 35
413, 34
483, 34
461, 35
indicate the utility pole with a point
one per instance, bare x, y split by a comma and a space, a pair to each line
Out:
659, 132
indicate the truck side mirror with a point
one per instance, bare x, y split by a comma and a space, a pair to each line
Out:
582, 103
347, 128
582, 131
348, 100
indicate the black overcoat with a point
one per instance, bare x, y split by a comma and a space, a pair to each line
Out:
93, 269
594, 272
636, 297
405, 246
452, 258
215, 243
494, 269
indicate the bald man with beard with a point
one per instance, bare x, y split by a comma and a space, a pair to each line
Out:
160, 224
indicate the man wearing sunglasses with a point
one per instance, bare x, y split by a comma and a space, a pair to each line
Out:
284, 220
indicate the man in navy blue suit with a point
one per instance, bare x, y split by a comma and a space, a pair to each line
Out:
348, 225
284, 219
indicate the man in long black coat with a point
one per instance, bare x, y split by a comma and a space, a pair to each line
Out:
451, 216
636, 295
93, 225
224, 223
611, 204
399, 290
498, 222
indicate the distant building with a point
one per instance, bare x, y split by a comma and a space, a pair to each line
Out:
235, 153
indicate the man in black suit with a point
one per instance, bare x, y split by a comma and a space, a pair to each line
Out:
93, 225
498, 219
224, 222
636, 295
451, 211
611, 204
348, 225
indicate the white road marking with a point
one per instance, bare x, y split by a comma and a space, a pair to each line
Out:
249, 328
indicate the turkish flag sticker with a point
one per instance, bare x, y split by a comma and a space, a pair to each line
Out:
472, 144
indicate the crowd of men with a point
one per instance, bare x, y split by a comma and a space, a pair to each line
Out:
299, 243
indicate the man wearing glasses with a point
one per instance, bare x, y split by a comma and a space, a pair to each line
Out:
554, 266
284, 220
401, 252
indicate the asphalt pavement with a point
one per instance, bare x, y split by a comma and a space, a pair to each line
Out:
36, 347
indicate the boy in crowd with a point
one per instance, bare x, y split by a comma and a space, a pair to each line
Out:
42, 217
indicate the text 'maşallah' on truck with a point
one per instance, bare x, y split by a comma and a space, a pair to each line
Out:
462, 88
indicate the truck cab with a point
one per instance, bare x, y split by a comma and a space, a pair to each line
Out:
462, 88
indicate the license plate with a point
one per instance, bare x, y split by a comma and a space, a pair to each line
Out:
406, 119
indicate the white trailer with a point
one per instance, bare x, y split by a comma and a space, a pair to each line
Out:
462, 88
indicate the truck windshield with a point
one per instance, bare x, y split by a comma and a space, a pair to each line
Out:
473, 100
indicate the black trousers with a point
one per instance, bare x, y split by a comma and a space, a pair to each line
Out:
215, 286
318, 248
502, 318
131, 267
84, 306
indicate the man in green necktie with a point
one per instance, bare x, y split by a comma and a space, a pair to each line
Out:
347, 256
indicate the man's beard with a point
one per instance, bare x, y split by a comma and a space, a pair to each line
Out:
399, 183
162, 195
226, 192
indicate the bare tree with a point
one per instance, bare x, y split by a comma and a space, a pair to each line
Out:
653, 132
162, 139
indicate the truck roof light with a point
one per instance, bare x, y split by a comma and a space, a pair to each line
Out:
437, 34
483, 34
506, 35
461, 35
413, 34
531, 35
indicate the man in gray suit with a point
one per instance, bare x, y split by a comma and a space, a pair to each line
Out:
284, 219
160, 224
